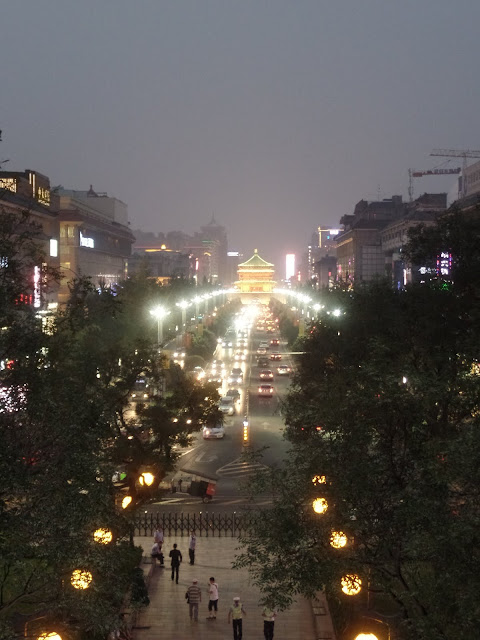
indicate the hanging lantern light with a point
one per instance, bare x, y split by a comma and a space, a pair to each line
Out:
338, 540
320, 505
351, 584
81, 579
103, 536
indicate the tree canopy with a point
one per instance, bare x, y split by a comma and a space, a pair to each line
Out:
383, 419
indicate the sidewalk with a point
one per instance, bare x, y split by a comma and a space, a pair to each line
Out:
167, 616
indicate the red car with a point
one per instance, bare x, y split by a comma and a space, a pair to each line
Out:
276, 356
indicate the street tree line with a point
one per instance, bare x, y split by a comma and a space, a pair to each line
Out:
383, 420
66, 428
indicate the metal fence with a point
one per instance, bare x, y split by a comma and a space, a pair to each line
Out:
205, 524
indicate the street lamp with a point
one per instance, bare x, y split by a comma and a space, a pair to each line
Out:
320, 505
52, 635
366, 636
159, 313
103, 536
146, 479
351, 584
81, 579
183, 304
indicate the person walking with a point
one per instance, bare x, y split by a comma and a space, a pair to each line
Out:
235, 613
194, 597
176, 557
156, 553
191, 547
212, 599
158, 536
269, 616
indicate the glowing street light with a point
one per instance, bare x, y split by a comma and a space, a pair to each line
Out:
126, 501
50, 635
319, 480
159, 313
146, 479
351, 584
320, 505
336, 312
81, 579
338, 540
366, 636
183, 304
103, 536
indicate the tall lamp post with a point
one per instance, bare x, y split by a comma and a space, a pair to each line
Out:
159, 313
183, 304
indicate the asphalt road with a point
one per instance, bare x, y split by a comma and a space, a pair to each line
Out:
224, 460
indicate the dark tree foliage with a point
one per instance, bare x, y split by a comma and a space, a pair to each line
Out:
385, 405
66, 424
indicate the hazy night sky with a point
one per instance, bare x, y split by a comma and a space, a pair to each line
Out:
276, 116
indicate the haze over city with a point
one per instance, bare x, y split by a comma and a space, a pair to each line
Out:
273, 116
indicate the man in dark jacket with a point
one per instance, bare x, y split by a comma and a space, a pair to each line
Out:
176, 557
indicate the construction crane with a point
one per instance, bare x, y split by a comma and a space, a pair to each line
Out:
414, 173
458, 153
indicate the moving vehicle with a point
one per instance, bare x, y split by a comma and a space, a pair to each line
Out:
213, 433
141, 390
236, 376
275, 356
234, 394
263, 362
265, 374
274, 342
227, 405
284, 370
265, 390
240, 354
261, 351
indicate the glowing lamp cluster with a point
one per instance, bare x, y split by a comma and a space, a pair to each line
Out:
351, 584
320, 505
366, 636
338, 540
52, 635
318, 480
146, 479
81, 579
103, 536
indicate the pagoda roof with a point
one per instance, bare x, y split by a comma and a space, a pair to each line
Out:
256, 261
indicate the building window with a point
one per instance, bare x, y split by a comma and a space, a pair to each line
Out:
53, 248
70, 231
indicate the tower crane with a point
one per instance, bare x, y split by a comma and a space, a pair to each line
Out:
414, 173
458, 153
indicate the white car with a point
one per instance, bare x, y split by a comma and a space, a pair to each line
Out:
227, 405
236, 376
213, 433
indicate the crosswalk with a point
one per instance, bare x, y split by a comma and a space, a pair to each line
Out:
240, 468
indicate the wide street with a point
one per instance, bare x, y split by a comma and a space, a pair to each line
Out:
228, 461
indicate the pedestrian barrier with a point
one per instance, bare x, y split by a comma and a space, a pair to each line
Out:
205, 524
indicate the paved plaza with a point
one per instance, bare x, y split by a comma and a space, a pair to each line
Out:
167, 617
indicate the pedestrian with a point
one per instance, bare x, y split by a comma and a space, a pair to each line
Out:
212, 599
156, 553
191, 547
179, 484
235, 613
176, 557
194, 597
158, 536
269, 622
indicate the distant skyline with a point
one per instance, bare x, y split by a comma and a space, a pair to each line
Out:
276, 116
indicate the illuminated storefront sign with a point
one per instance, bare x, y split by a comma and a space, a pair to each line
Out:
86, 242
37, 300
